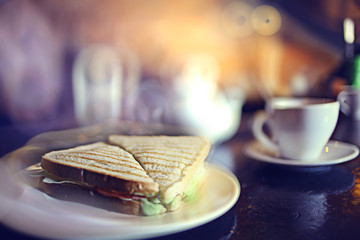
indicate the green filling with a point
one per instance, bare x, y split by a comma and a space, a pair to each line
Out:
153, 206
150, 208
174, 204
191, 190
189, 195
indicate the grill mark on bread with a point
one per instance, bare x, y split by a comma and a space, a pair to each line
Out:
123, 157
162, 159
106, 151
150, 172
163, 165
65, 158
130, 145
165, 148
117, 157
173, 152
155, 155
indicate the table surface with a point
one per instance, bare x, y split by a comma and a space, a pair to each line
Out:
276, 202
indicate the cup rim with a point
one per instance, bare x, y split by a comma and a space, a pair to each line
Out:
351, 91
300, 103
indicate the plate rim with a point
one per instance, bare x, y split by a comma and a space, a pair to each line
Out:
156, 230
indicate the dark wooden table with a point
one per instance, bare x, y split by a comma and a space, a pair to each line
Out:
277, 202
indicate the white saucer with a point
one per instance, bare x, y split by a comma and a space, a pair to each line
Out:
335, 152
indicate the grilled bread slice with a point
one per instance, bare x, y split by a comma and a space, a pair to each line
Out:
170, 161
100, 165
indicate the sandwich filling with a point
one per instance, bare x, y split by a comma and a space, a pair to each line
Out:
150, 205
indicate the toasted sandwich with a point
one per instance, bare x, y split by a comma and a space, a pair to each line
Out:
175, 163
136, 175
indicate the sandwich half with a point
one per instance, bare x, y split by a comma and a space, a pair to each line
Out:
175, 163
102, 175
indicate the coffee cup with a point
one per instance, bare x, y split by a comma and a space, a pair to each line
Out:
299, 127
350, 102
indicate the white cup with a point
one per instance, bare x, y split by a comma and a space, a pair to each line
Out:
350, 102
299, 127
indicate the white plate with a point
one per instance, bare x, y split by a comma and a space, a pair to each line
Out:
335, 152
35, 213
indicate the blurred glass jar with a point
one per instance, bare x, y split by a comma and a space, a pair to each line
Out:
102, 78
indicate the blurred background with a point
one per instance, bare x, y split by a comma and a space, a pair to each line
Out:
198, 64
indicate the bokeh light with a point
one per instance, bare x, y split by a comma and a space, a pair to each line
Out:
236, 19
266, 20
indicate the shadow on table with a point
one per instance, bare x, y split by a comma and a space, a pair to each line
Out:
317, 179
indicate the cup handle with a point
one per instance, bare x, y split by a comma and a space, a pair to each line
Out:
344, 106
257, 129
